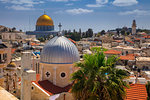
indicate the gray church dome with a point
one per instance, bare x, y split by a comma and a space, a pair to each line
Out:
59, 50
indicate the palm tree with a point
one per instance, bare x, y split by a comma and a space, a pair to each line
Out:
98, 79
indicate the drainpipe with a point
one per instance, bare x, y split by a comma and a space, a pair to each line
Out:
64, 96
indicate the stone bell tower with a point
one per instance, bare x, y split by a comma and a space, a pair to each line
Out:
27, 76
134, 27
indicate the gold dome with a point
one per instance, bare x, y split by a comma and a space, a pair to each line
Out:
44, 20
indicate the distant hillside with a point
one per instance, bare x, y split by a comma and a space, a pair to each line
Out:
6, 29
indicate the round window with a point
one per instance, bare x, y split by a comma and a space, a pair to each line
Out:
47, 74
63, 74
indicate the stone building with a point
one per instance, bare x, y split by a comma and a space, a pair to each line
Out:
56, 66
143, 63
4, 60
10, 78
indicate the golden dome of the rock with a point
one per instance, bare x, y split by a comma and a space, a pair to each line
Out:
44, 20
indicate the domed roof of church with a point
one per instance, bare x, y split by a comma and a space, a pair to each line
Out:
44, 20
59, 50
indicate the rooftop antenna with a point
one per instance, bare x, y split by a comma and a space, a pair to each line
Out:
60, 25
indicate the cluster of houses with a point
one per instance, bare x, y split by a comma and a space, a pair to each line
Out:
133, 52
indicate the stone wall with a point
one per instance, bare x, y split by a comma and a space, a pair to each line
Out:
4, 95
141, 64
38, 94
2, 81
55, 71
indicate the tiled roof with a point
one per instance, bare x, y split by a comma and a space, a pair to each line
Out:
136, 92
147, 36
51, 89
130, 41
132, 55
137, 39
128, 57
112, 52
13, 51
34, 44
72, 40
118, 41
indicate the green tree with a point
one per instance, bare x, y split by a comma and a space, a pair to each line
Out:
75, 36
148, 90
89, 33
41, 39
123, 32
98, 79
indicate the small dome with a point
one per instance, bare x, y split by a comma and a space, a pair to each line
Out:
10, 67
59, 50
44, 20
11, 64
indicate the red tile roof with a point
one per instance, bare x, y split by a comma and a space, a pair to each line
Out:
147, 37
130, 41
137, 39
118, 41
132, 55
72, 40
34, 44
51, 89
129, 57
13, 51
112, 52
136, 92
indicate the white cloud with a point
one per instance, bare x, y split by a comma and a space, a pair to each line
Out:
22, 4
136, 12
124, 2
18, 7
79, 11
99, 3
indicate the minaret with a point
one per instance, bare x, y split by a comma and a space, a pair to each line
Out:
134, 27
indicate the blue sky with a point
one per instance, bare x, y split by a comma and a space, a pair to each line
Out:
75, 14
